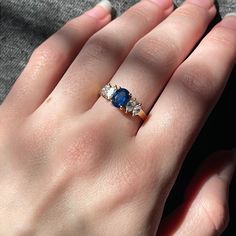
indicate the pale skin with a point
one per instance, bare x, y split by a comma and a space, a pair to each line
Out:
72, 164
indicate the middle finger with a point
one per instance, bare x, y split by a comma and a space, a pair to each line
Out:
103, 53
154, 58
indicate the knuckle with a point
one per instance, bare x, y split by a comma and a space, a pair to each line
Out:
191, 12
184, 12
144, 12
198, 80
159, 53
76, 25
72, 24
45, 54
102, 45
141, 14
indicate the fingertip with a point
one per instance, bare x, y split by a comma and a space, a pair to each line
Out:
106, 5
101, 11
212, 11
169, 10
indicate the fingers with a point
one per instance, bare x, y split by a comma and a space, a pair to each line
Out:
51, 59
155, 57
190, 94
103, 54
205, 209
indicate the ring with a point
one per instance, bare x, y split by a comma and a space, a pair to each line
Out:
122, 99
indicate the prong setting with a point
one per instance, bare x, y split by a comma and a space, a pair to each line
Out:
123, 99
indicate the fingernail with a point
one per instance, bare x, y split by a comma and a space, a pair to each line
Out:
164, 4
231, 14
229, 21
202, 3
101, 10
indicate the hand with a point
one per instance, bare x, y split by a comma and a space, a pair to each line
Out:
72, 164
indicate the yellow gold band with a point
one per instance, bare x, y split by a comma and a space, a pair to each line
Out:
142, 115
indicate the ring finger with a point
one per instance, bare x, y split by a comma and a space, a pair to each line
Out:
102, 55
155, 57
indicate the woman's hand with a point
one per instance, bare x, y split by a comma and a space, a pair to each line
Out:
72, 164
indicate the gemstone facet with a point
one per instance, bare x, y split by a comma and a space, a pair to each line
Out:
120, 98
130, 105
108, 91
137, 109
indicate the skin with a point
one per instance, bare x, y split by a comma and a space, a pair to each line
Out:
71, 164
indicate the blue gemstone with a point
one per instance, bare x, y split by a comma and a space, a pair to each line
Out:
120, 97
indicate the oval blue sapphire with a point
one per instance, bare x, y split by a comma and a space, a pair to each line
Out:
120, 97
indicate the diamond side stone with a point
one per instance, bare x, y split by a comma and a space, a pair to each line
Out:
108, 91
130, 105
137, 109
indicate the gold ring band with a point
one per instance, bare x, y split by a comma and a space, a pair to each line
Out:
122, 99
142, 115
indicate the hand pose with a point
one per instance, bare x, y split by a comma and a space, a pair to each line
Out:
72, 163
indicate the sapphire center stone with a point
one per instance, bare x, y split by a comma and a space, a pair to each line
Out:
120, 98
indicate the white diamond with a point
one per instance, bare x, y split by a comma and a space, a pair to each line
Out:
104, 90
130, 105
111, 92
108, 91
137, 109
